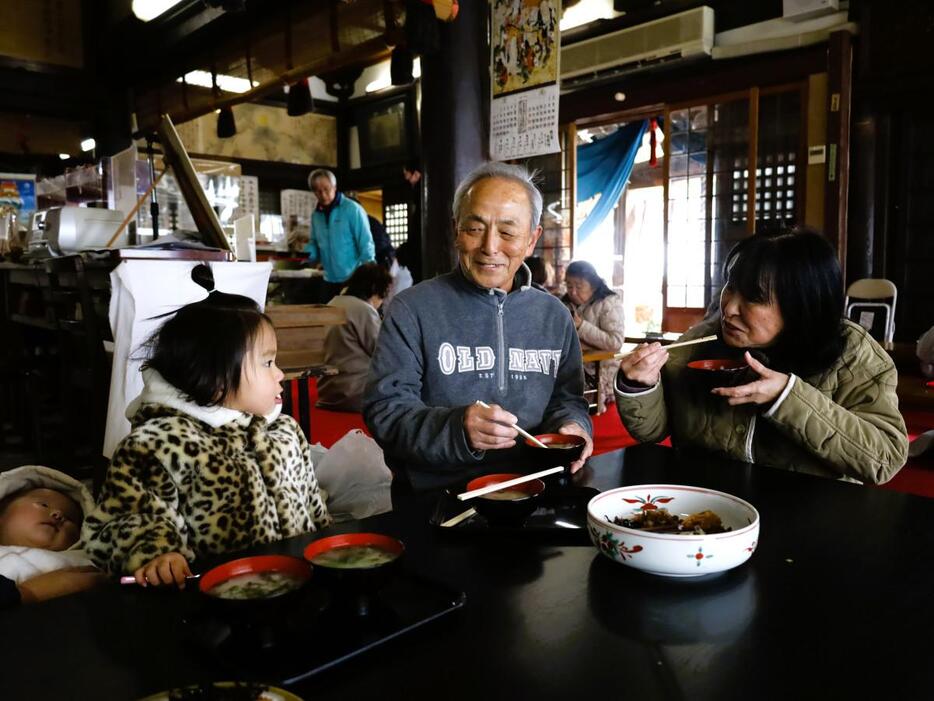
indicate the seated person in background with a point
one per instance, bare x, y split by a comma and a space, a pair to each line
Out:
536, 268
821, 401
598, 316
349, 346
40, 520
480, 332
385, 253
925, 352
210, 466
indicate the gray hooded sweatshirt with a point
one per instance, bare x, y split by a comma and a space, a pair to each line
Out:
448, 342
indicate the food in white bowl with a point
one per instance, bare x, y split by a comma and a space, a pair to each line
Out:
675, 554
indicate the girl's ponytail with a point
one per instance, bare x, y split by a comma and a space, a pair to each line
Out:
203, 276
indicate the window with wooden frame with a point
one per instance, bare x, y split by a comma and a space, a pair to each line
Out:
396, 221
709, 187
554, 177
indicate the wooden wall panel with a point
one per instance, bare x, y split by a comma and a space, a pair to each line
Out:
912, 261
816, 136
42, 31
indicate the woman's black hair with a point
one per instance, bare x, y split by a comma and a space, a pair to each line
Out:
368, 280
200, 350
797, 269
584, 270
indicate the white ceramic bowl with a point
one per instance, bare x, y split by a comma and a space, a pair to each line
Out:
671, 554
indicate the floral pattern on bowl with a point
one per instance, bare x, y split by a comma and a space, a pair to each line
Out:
672, 554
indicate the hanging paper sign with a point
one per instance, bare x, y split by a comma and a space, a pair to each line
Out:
524, 124
524, 78
17, 192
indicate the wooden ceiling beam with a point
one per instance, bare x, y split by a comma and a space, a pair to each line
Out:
368, 52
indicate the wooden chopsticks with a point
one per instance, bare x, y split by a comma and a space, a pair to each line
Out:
508, 483
705, 339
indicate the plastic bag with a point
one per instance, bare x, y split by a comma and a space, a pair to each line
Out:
922, 444
354, 476
926, 352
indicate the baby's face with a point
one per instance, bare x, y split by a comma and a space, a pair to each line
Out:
41, 518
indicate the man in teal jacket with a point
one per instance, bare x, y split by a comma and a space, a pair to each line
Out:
340, 233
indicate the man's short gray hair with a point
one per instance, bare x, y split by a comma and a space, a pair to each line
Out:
322, 173
495, 169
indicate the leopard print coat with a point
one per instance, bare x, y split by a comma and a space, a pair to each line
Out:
178, 484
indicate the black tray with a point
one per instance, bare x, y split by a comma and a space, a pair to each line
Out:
320, 633
560, 518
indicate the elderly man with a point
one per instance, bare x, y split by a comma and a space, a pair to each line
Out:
480, 332
340, 233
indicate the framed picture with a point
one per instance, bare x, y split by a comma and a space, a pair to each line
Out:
386, 129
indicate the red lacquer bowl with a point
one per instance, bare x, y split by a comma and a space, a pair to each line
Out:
722, 365
720, 372
355, 585
510, 511
293, 566
570, 449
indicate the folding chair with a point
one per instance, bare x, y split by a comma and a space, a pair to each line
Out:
867, 304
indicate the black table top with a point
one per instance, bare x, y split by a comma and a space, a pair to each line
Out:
836, 602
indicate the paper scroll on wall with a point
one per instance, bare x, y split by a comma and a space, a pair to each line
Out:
525, 84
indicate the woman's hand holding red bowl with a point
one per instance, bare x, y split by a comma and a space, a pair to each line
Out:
765, 390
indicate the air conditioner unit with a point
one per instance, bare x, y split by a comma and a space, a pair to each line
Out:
684, 35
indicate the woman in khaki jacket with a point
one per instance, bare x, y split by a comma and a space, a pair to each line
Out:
819, 393
598, 316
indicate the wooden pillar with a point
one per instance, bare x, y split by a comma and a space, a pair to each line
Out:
454, 126
752, 211
570, 149
863, 207
839, 76
344, 117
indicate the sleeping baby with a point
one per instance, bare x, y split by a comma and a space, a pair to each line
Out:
41, 510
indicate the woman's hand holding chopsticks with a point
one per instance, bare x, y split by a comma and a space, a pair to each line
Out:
643, 365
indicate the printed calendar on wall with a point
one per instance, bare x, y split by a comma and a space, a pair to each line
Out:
524, 124
524, 67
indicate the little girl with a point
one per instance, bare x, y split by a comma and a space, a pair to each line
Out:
210, 466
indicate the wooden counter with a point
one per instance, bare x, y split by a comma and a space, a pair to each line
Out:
300, 332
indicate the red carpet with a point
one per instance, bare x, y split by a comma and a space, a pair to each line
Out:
917, 477
609, 432
326, 427
320, 425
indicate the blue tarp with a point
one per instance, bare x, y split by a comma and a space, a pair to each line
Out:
603, 167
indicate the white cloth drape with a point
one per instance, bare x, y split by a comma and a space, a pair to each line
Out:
143, 289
